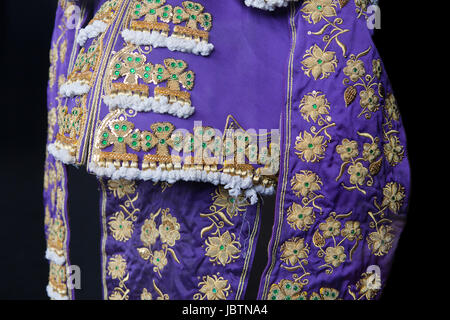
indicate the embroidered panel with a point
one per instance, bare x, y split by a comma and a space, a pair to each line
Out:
201, 247
344, 181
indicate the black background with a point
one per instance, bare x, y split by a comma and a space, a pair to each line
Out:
25, 43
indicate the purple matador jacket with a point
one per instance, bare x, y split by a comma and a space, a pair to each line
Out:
188, 112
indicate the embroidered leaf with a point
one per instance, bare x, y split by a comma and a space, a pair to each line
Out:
381, 91
375, 167
350, 95
144, 253
318, 239
206, 229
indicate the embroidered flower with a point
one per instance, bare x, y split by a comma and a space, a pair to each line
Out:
310, 148
394, 194
316, 10
347, 149
300, 217
354, 69
117, 266
380, 242
294, 250
329, 293
222, 248
393, 150
286, 290
371, 151
121, 187
376, 68
214, 288
159, 259
330, 228
146, 295
335, 255
314, 105
121, 228
358, 173
149, 233
168, 229
391, 108
369, 100
305, 182
319, 63
351, 230
369, 285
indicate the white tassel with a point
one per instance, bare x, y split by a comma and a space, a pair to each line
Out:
54, 257
61, 154
55, 295
72, 89
267, 4
124, 101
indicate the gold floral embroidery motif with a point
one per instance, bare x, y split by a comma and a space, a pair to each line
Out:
222, 248
315, 11
311, 146
117, 268
381, 240
367, 287
319, 63
121, 223
356, 72
175, 74
293, 290
393, 149
167, 232
359, 174
335, 254
294, 255
305, 184
85, 63
213, 288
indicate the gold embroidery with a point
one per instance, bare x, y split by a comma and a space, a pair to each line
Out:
318, 10
304, 185
311, 147
203, 150
152, 10
368, 286
319, 63
117, 267
192, 13
58, 278
121, 226
335, 254
223, 247
359, 175
213, 288
168, 232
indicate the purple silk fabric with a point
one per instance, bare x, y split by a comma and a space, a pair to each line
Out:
343, 183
